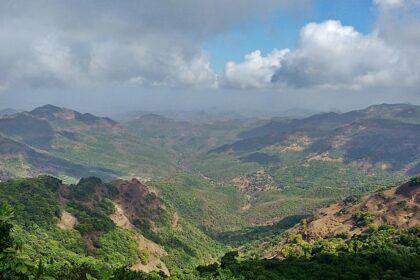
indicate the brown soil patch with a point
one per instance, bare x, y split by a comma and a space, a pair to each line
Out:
67, 221
294, 143
324, 157
156, 252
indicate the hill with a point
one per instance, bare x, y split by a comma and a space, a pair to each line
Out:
366, 137
103, 225
282, 168
76, 145
396, 207
118, 230
8, 111
324, 156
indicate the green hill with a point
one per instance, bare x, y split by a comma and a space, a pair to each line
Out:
103, 226
66, 143
282, 168
96, 230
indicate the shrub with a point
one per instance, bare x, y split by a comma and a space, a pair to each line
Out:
402, 204
415, 181
362, 219
352, 199
342, 212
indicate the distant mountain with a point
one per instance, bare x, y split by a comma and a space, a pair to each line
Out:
76, 145
384, 135
153, 125
8, 111
281, 168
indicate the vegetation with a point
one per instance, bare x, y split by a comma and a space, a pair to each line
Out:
95, 239
385, 253
298, 155
363, 219
193, 214
213, 208
415, 181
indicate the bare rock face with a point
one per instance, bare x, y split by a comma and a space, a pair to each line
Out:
397, 206
135, 208
154, 262
67, 221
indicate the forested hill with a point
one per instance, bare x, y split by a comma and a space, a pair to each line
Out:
70, 145
385, 136
118, 230
355, 216
102, 226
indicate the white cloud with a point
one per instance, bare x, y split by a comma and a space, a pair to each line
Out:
330, 55
141, 64
335, 56
49, 43
255, 72
57, 59
152, 43
389, 3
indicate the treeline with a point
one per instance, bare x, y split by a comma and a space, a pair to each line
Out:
384, 253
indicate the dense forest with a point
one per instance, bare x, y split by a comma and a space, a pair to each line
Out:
384, 253
33, 246
210, 198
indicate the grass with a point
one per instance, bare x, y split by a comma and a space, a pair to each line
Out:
223, 167
274, 205
211, 207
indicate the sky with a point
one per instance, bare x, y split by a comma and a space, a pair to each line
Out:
106, 56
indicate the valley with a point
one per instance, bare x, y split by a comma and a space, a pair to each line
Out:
166, 193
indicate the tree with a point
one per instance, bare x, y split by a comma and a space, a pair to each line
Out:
229, 259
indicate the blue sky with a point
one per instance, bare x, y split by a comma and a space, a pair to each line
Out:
146, 54
281, 30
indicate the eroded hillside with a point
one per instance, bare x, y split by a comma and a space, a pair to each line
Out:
122, 223
398, 207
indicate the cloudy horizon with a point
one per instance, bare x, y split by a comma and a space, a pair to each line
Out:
106, 56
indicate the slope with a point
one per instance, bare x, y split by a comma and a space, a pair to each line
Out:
103, 225
73, 140
395, 207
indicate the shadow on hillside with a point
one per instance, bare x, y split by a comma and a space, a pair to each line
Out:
257, 232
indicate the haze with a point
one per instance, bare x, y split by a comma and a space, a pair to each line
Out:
108, 57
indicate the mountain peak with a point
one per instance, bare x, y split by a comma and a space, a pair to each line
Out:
46, 110
51, 112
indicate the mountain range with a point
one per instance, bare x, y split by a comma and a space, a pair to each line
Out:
279, 167
168, 193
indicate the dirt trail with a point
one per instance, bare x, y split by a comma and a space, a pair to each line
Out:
67, 221
156, 252
175, 222
247, 204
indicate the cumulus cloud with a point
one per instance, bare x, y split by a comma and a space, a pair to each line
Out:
330, 55
143, 43
50, 43
255, 72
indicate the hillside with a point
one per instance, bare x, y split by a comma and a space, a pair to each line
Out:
95, 230
76, 145
8, 111
397, 207
324, 156
365, 138
105, 225
282, 168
